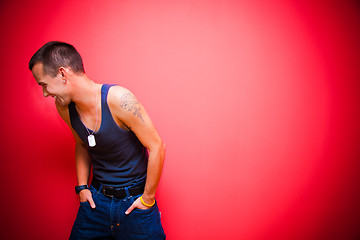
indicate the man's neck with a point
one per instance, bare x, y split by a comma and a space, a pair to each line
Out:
85, 92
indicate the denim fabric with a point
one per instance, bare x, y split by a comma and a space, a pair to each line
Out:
108, 220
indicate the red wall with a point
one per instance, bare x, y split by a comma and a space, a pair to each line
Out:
257, 102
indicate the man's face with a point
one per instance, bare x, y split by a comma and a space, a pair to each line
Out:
52, 86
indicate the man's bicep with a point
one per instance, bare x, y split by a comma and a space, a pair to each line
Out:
131, 109
133, 114
143, 127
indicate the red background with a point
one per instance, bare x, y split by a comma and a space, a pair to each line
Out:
257, 102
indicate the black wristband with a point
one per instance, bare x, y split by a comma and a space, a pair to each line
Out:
79, 188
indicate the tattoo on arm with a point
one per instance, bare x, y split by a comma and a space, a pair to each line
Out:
130, 104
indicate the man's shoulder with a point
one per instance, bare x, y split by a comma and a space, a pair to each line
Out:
118, 90
119, 94
123, 102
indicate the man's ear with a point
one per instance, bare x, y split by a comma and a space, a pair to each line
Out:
62, 72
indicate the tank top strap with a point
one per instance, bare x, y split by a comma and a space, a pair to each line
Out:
104, 93
72, 110
74, 116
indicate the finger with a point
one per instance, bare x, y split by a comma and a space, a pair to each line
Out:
92, 203
130, 209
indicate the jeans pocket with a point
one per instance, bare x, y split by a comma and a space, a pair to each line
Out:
144, 210
84, 206
145, 222
148, 210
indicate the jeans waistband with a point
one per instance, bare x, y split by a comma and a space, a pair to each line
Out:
118, 192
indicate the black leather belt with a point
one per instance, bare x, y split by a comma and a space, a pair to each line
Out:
116, 191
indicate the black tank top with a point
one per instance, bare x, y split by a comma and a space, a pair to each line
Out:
118, 158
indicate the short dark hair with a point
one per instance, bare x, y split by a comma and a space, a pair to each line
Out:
54, 55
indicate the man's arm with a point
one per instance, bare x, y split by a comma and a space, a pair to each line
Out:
82, 159
129, 111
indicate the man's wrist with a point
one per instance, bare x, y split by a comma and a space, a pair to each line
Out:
80, 188
147, 204
148, 199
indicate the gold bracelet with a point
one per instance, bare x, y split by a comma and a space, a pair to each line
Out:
145, 204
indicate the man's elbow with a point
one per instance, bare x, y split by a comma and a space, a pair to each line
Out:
159, 148
163, 148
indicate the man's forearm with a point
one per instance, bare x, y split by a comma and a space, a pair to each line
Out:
154, 170
83, 164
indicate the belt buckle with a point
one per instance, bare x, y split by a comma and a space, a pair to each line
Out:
103, 190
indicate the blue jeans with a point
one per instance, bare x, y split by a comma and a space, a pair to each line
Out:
108, 220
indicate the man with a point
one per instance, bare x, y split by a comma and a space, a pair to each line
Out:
115, 135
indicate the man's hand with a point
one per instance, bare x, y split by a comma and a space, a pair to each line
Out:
136, 204
86, 196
